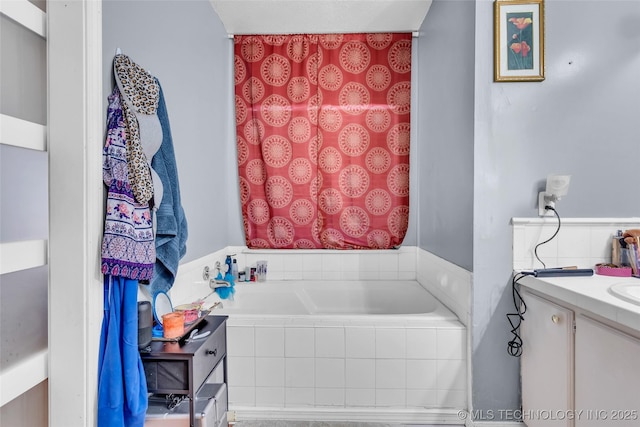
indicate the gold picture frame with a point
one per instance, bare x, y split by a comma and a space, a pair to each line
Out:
518, 31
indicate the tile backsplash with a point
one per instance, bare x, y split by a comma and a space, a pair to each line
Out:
582, 242
328, 265
395, 264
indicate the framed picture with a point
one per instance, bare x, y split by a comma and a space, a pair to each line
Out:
518, 40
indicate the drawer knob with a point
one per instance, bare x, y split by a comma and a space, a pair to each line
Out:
213, 352
555, 318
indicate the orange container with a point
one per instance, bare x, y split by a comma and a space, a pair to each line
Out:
173, 324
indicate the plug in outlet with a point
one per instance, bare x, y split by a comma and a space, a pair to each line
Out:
557, 187
543, 201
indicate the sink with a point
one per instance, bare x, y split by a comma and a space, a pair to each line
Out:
628, 291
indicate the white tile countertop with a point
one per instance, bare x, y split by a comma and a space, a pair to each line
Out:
591, 294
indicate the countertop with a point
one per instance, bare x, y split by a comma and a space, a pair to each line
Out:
590, 294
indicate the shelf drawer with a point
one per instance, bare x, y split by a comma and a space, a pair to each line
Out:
166, 374
209, 355
210, 409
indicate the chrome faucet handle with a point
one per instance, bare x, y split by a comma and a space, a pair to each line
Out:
206, 271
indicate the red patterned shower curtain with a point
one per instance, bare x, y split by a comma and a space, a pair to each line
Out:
323, 139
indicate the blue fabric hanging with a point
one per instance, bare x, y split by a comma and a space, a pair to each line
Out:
171, 232
122, 386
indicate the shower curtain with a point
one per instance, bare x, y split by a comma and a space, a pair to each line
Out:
323, 132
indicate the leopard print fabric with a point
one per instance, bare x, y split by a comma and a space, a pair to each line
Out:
140, 91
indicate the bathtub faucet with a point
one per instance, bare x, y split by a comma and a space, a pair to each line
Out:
218, 283
215, 283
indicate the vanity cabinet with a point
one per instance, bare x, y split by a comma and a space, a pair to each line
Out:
607, 366
547, 360
577, 370
181, 377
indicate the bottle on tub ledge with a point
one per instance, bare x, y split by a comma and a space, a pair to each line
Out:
234, 269
228, 264
249, 274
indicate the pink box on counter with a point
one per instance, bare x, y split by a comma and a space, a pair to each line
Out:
608, 270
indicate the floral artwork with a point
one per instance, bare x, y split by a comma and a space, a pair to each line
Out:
519, 42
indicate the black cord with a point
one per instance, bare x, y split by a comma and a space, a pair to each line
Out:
514, 346
535, 250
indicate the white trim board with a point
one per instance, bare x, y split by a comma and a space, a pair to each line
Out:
26, 374
26, 14
22, 255
76, 208
394, 415
22, 133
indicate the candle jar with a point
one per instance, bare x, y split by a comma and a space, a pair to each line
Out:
173, 324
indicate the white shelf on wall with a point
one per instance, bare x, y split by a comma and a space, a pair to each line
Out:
26, 14
33, 369
20, 378
22, 255
22, 133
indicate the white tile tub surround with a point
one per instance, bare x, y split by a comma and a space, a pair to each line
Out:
582, 242
412, 372
448, 282
310, 368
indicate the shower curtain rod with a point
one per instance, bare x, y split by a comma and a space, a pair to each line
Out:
414, 34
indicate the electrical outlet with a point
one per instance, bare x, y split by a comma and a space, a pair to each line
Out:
542, 203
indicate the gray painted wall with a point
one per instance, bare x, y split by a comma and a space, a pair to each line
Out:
580, 120
24, 75
185, 46
445, 131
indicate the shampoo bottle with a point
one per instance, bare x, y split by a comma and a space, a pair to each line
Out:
227, 262
234, 269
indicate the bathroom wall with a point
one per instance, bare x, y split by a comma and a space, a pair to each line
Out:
184, 45
580, 121
445, 131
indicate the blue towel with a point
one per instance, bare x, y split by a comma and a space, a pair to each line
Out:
122, 385
171, 232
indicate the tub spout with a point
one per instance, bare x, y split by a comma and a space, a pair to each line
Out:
218, 283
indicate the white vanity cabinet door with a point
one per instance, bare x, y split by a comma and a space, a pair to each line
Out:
607, 385
546, 362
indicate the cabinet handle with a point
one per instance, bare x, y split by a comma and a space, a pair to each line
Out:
213, 352
555, 318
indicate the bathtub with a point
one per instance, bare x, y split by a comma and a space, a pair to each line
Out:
353, 351
327, 298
